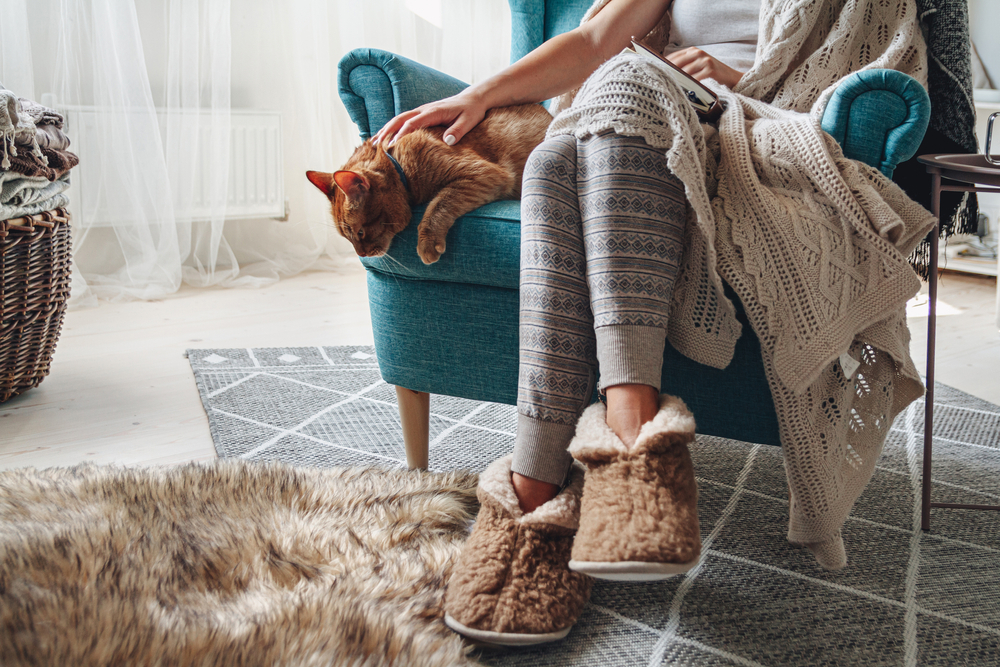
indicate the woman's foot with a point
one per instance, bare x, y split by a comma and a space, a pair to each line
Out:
532, 493
629, 407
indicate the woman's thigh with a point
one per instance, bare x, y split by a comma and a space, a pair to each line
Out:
634, 212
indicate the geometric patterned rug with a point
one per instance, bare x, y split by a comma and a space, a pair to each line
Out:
905, 598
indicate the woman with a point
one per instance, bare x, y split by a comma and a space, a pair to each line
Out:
607, 204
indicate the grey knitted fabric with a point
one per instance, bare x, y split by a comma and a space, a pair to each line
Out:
949, 60
945, 24
16, 128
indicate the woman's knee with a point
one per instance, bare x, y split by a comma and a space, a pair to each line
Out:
548, 191
555, 156
611, 155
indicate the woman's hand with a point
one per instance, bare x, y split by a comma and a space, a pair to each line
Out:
460, 113
702, 66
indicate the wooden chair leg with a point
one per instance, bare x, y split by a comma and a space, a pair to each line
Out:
415, 414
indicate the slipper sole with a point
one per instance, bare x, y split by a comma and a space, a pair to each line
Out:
504, 638
630, 570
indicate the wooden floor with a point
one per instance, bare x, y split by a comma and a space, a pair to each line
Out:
122, 391
968, 344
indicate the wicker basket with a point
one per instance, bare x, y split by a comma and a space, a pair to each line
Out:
34, 285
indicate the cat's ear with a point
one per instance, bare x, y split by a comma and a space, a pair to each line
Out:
321, 180
354, 185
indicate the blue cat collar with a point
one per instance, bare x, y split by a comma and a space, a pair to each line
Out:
399, 170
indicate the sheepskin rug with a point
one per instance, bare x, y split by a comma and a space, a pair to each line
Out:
231, 563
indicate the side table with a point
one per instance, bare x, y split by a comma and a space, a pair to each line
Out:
949, 173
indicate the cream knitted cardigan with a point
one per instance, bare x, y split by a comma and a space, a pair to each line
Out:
814, 244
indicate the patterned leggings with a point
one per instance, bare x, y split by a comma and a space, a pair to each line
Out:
602, 229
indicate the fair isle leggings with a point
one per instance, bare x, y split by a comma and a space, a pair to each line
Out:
602, 230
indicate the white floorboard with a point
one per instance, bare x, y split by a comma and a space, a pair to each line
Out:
121, 390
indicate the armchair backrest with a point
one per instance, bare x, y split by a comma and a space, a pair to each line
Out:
534, 21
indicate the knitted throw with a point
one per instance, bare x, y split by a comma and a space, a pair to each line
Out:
16, 127
814, 244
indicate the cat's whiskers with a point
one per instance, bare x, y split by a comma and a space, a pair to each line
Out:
389, 258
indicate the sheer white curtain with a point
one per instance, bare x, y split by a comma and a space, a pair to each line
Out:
159, 79
198, 89
15, 48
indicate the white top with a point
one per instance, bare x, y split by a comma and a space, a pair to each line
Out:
725, 29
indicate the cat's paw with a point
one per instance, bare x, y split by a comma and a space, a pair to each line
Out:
430, 249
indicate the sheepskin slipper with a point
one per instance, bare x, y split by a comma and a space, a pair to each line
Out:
512, 585
639, 514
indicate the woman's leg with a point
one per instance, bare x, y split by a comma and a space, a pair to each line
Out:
634, 212
639, 515
601, 243
557, 354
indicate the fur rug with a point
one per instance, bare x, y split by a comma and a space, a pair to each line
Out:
232, 563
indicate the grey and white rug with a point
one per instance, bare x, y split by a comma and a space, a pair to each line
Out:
906, 597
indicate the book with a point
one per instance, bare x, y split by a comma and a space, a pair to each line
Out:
705, 102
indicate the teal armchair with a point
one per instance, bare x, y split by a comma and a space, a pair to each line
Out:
452, 327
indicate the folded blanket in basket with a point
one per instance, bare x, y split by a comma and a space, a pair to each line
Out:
21, 121
39, 114
59, 162
19, 190
58, 201
50, 136
16, 128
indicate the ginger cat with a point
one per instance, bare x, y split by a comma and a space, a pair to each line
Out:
372, 201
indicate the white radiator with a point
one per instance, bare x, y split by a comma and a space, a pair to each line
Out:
256, 187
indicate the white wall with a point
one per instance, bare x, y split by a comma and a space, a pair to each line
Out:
984, 24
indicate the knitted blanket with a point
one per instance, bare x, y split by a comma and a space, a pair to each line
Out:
945, 26
16, 128
49, 163
26, 128
814, 244
949, 70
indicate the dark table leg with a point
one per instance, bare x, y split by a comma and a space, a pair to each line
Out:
925, 507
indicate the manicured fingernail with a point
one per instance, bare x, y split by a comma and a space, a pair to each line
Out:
450, 139
392, 143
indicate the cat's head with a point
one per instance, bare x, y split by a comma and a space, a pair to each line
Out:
369, 203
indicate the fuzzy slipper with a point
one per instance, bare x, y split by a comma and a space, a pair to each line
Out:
511, 585
639, 515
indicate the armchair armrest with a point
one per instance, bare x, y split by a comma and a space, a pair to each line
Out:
377, 85
879, 117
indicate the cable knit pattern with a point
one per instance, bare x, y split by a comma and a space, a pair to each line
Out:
814, 244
